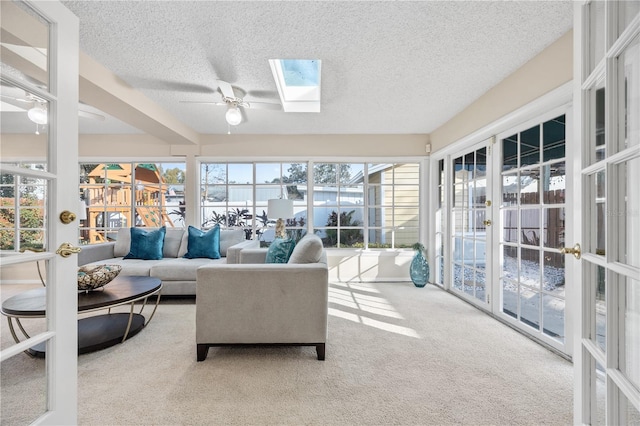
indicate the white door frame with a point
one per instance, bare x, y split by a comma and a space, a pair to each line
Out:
61, 322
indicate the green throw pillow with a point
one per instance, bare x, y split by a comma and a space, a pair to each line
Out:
146, 245
280, 250
203, 244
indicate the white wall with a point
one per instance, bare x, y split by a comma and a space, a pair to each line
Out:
547, 71
369, 265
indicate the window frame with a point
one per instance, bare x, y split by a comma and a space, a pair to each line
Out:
128, 207
312, 189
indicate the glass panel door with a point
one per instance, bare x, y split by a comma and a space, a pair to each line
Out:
607, 355
469, 221
39, 107
532, 214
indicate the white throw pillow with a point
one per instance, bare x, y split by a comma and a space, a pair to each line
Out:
172, 241
307, 250
123, 242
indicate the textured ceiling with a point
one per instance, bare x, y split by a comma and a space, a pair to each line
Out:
387, 67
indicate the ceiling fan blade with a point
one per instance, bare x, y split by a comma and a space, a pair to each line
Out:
17, 99
262, 93
226, 89
91, 115
203, 102
159, 84
263, 105
21, 106
244, 115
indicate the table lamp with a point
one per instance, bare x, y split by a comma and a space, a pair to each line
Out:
282, 209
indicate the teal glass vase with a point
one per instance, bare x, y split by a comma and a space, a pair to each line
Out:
419, 270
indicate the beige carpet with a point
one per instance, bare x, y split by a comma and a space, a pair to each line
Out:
396, 355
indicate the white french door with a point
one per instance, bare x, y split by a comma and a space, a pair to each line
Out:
530, 213
39, 83
607, 347
507, 207
470, 226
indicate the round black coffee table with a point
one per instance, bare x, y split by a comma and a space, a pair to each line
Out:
94, 332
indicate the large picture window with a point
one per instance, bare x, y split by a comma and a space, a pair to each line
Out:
236, 195
127, 194
372, 205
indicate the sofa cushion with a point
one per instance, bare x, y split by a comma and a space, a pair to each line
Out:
180, 269
123, 242
203, 244
230, 237
172, 241
146, 244
307, 250
280, 250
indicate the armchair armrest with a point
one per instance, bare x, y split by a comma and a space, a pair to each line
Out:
253, 255
95, 252
233, 252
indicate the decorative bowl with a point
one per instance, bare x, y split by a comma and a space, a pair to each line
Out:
93, 277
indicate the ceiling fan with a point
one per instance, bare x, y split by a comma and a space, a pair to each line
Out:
232, 98
37, 109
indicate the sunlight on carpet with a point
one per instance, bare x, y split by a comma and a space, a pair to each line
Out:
349, 303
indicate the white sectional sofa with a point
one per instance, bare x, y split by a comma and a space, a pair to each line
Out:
178, 274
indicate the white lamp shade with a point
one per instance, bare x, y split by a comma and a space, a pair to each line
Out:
233, 116
280, 208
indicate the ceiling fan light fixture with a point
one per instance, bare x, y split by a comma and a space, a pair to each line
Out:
38, 115
233, 116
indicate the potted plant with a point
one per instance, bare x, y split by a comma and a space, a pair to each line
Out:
419, 268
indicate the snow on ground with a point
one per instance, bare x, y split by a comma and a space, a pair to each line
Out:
523, 302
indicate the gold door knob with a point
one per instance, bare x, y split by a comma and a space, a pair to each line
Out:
67, 217
66, 250
487, 222
575, 251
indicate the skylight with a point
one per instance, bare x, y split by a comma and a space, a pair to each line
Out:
298, 82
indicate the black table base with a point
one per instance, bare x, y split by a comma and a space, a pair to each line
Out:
100, 332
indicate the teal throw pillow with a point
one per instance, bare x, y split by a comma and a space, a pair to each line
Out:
280, 250
203, 244
146, 245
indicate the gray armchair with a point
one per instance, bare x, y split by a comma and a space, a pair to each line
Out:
264, 304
